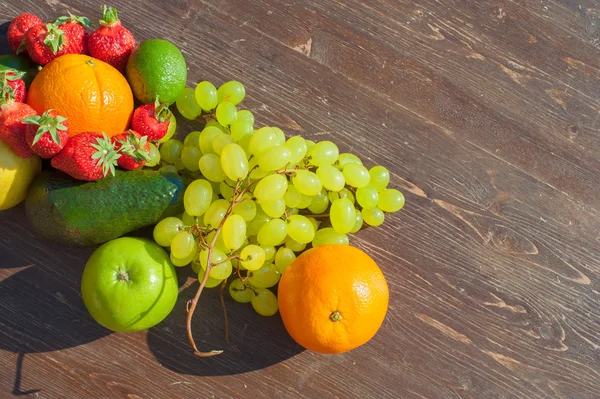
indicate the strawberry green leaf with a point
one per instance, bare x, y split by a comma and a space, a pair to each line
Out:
84, 21
55, 38
106, 156
109, 15
162, 113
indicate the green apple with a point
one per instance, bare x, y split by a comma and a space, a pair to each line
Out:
129, 284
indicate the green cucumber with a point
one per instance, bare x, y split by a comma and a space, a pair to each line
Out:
78, 213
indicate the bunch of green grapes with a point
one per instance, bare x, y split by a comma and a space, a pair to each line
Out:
261, 198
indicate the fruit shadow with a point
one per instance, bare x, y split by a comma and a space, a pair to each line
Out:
4, 46
255, 342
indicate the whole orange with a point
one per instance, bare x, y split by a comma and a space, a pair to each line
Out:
91, 94
333, 298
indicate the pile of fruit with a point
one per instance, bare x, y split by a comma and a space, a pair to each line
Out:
246, 207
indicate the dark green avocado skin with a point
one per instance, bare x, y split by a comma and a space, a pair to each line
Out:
78, 213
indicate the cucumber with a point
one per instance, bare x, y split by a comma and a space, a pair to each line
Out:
78, 213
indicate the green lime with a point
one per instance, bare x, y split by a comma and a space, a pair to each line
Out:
22, 64
156, 68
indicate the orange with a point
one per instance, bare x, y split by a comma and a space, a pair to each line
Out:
91, 94
333, 298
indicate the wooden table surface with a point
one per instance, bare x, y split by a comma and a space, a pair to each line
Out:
487, 115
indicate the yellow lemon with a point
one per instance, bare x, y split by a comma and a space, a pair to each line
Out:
16, 174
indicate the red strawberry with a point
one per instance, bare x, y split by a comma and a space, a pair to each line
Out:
74, 29
18, 27
45, 43
12, 128
134, 150
111, 42
87, 156
47, 134
152, 120
12, 87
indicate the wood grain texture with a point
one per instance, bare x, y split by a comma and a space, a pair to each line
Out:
487, 115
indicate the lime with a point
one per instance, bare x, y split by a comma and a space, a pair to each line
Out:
156, 68
21, 64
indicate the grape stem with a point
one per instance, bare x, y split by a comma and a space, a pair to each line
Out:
227, 260
323, 215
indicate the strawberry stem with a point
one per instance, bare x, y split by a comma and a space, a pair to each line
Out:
162, 113
109, 16
54, 38
106, 155
135, 147
47, 123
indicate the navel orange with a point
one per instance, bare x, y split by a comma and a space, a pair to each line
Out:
91, 94
333, 298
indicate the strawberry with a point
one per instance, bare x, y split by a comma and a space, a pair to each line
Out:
152, 120
46, 134
12, 86
17, 29
87, 156
134, 150
111, 42
12, 128
45, 43
74, 30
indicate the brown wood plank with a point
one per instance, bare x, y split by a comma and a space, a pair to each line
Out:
485, 113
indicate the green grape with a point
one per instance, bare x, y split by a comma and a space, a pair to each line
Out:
166, 230
257, 173
216, 187
390, 200
294, 245
206, 138
188, 220
180, 262
358, 223
257, 222
206, 96
226, 113
239, 292
179, 164
380, 177
252, 257
343, 193
265, 277
221, 268
190, 157
210, 167
192, 139
241, 128
331, 177
319, 203
272, 233
167, 170
314, 222
246, 208
182, 245
187, 105
244, 142
293, 211
292, 197
170, 130
234, 162
328, 236
356, 175
220, 244
367, 197
262, 139
373, 217
171, 150
269, 253
297, 147
210, 282
197, 197
305, 201
309, 144
274, 209
264, 302
323, 153
225, 189
154, 156
283, 258
274, 158
342, 215
279, 136
300, 229
220, 141
271, 188
346, 158
234, 232
215, 213
246, 115
307, 182
232, 91
215, 123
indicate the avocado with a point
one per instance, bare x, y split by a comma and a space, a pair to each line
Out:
78, 213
